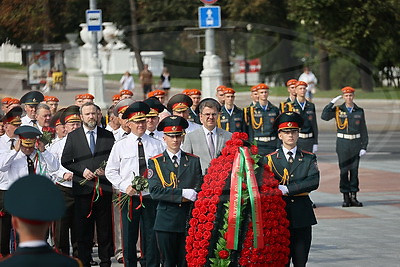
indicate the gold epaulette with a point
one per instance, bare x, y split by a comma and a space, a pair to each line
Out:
339, 123
172, 175
285, 176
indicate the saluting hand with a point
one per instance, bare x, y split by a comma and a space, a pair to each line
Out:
17, 145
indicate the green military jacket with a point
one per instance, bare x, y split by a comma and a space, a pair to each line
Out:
172, 213
260, 122
286, 105
310, 119
301, 178
193, 117
232, 123
348, 123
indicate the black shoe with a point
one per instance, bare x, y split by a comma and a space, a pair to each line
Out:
353, 200
346, 200
93, 263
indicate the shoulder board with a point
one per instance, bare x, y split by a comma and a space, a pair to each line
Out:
273, 153
307, 152
191, 155
122, 138
157, 156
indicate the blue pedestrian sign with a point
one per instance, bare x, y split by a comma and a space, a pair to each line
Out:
93, 20
209, 17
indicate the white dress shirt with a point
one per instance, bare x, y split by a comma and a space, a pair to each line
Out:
178, 156
285, 151
25, 120
214, 137
57, 148
5, 147
87, 134
123, 162
15, 163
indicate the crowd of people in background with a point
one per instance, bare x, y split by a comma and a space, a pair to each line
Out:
93, 158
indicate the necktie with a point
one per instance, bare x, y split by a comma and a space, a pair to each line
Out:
12, 140
291, 159
92, 143
151, 134
211, 147
31, 169
175, 161
142, 159
34, 123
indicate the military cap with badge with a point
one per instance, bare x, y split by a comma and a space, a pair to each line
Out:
32, 98
136, 112
155, 106
173, 125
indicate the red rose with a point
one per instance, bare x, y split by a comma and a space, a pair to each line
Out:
203, 253
202, 218
209, 226
210, 217
212, 209
223, 254
238, 142
198, 236
254, 150
193, 222
206, 235
215, 199
218, 190
204, 244
203, 210
196, 212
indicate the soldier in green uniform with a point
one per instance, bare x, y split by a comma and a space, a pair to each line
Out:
174, 179
231, 117
288, 104
34, 202
298, 175
260, 119
308, 136
220, 94
195, 95
351, 142
253, 95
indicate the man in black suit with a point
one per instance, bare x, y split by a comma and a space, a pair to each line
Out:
34, 202
85, 150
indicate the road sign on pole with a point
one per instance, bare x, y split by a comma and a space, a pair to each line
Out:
93, 20
209, 17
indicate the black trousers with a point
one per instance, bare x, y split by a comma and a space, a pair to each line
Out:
102, 216
63, 227
144, 218
349, 160
5, 228
172, 248
300, 243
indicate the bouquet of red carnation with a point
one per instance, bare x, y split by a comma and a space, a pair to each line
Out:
48, 135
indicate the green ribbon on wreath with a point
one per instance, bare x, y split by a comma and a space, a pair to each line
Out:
243, 171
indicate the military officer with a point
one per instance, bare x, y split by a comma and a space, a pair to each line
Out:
231, 117
152, 118
288, 104
308, 136
298, 175
29, 156
122, 166
30, 101
119, 110
260, 119
174, 178
58, 126
34, 202
124, 94
52, 102
179, 105
71, 120
12, 120
253, 95
351, 142
220, 94
115, 99
195, 95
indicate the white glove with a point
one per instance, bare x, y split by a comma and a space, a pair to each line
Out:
363, 152
283, 189
333, 101
314, 148
190, 194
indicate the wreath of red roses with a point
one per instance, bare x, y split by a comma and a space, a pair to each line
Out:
201, 226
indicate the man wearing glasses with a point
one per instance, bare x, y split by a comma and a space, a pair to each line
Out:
208, 141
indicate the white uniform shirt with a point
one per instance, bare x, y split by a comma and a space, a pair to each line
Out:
123, 162
157, 135
5, 147
25, 120
115, 132
192, 127
15, 163
57, 148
